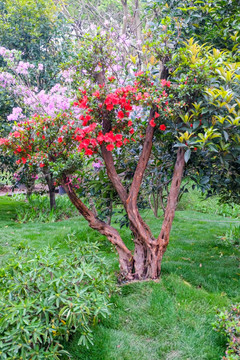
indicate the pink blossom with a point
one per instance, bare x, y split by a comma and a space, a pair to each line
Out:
15, 115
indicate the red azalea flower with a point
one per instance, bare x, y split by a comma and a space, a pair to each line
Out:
152, 123
128, 107
41, 165
100, 138
88, 152
131, 131
119, 144
162, 127
130, 123
118, 137
110, 147
120, 114
109, 107
156, 115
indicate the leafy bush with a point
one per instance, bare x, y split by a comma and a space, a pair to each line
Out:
195, 200
232, 236
228, 324
226, 210
37, 209
46, 297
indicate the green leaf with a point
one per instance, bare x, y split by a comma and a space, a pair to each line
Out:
187, 155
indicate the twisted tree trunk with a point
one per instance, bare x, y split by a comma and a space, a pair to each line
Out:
148, 251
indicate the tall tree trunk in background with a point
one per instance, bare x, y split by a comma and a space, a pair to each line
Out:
137, 20
30, 184
125, 16
137, 30
51, 189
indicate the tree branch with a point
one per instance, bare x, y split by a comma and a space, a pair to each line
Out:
142, 163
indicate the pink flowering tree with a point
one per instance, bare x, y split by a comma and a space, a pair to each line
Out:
22, 82
115, 118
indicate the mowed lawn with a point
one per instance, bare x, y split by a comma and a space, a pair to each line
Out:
168, 319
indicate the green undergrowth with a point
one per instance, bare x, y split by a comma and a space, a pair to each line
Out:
194, 200
37, 208
166, 320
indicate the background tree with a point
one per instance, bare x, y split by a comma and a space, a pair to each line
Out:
215, 23
40, 32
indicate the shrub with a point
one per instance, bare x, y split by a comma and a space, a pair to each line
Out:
228, 324
37, 209
46, 297
232, 236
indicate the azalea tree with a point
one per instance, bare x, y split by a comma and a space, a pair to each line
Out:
22, 82
118, 110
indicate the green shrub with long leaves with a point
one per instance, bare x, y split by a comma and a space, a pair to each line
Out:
47, 297
37, 209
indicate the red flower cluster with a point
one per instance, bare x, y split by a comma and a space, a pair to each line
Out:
43, 139
165, 83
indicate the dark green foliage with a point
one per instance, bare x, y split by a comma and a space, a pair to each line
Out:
46, 297
38, 29
215, 23
228, 324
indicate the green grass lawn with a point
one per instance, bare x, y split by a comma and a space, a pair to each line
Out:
169, 319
